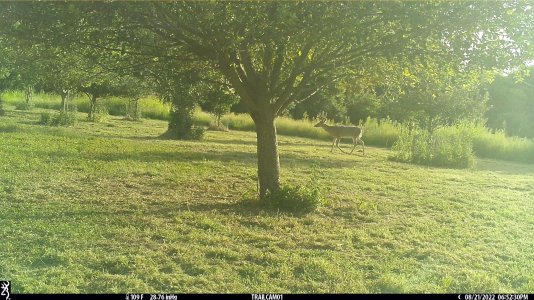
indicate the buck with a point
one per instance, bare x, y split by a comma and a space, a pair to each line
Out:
337, 132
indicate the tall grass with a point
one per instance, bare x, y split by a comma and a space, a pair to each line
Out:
447, 147
153, 108
40, 100
498, 146
382, 133
453, 146
150, 107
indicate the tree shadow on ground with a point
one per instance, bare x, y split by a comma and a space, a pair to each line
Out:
244, 207
505, 167
186, 155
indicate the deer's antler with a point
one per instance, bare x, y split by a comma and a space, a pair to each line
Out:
322, 115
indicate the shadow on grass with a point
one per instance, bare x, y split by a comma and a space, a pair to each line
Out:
506, 167
181, 155
245, 207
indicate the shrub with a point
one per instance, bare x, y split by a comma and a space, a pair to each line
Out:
181, 125
64, 118
153, 108
447, 147
201, 118
196, 133
46, 119
294, 199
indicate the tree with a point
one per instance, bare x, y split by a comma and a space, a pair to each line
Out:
94, 92
274, 54
436, 95
218, 100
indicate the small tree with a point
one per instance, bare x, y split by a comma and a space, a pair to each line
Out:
435, 96
94, 92
219, 100
181, 87
133, 88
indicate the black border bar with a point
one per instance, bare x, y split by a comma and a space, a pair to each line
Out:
272, 296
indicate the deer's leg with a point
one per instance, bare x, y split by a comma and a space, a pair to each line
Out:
354, 143
333, 142
363, 146
337, 144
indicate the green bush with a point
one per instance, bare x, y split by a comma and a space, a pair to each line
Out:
181, 125
447, 147
64, 118
46, 118
201, 118
294, 199
196, 133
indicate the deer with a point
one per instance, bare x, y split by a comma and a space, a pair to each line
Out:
337, 132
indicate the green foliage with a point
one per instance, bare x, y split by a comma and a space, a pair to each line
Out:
196, 133
10, 127
64, 118
46, 118
436, 94
153, 108
181, 125
219, 100
447, 147
294, 199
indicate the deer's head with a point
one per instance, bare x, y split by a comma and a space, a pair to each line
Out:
321, 123
322, 118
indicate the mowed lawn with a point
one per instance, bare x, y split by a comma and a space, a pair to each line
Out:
108, 207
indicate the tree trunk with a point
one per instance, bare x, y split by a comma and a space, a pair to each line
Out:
92, 108
28, 93
268, 160
137, 114
65, 100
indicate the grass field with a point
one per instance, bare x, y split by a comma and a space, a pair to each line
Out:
108, 207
